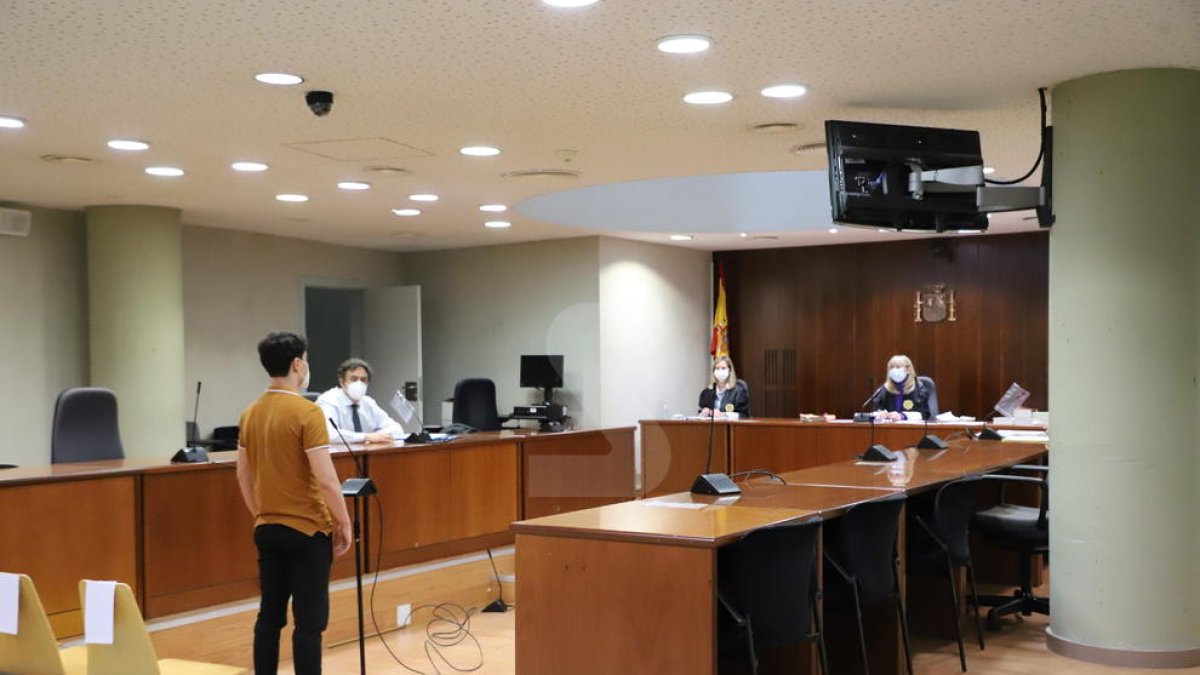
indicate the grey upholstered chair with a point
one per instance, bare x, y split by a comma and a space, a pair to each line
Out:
927, 382
85, 426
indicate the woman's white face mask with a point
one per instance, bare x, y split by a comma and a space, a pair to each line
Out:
898, 374
721, 375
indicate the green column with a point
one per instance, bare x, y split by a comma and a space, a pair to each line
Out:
1124, 356
135, 308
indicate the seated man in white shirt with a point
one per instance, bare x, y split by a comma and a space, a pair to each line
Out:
357, 415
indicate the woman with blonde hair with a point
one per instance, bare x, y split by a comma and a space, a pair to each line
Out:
725, 393
903, 392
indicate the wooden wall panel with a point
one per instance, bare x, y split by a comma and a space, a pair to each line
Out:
845, 309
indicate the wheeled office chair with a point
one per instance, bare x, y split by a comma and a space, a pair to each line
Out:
225, 438
85, 426
941, 544
475, 404
1024, 529
865, 560
928, 383
767, 587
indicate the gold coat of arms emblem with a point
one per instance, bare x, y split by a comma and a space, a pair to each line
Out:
935, 304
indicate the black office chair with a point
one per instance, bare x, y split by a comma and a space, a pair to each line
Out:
1024, 529
312, 395
225, 438
933, 402
85, 426
864, 559
941, 543
475, 404
7, 466
767, 586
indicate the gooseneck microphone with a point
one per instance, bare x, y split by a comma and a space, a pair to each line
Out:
987, 433
362, 473
713, 483
193, 453
930, 441
874, 452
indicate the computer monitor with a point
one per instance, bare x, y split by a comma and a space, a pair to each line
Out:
870, 166
543, 372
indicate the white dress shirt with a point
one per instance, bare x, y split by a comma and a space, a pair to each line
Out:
335, 405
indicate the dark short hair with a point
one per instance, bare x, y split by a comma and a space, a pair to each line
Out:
349, 365
278, 350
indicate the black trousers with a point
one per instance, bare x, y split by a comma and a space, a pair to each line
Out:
291, 565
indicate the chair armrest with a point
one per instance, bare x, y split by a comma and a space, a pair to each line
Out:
846, 576
733, 613
929, 531
1035, 468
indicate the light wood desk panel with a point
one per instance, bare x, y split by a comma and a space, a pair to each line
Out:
573, 470
674, 452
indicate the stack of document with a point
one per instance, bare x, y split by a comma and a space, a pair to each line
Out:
1010, 436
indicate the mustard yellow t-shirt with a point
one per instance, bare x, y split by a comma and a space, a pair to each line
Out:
277, 431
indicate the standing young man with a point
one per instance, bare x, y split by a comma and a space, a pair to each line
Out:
300, 518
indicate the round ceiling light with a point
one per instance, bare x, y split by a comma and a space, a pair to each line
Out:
279, 79
569, 3
784, 91
479, 151
127, 144
708, 97
683, 44
681, 237
498, 224
833, 230
407, 213
292, 198
165, 171
354, 185
493, 208
249, 167
423, 198
11, 122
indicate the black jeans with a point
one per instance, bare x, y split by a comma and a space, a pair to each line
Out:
293, 565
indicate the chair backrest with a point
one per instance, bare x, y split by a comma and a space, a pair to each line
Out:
770, 574
33, 650
312, 395
131, 652
952, 510
85, 426
868, 545
225, 438
933, 402
475, 404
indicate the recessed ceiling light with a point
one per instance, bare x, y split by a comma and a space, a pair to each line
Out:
988, 170
683, 44
292, 198
498, 224
280, 79
407, 213
248, 166
744, 235
479, 151
885, 230
423, 198
681, 237
126, 144
164, 171
569, 3
708, 97
11, 122
970, 231
784, 91
833, 230
354, 185
493, 208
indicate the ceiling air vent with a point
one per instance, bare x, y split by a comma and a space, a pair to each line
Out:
541, 174
775, 127
15, 223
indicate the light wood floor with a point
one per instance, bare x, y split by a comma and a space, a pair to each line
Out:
1020, 647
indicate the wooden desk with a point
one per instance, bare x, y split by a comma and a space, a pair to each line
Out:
631, 588
571, 470
674, 452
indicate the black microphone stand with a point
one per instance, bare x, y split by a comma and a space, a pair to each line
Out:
713, 483
930, 441
358, 488
987, 433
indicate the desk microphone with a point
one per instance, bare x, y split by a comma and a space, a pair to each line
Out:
987, 433
877, 453
713, 483
863, 416
194, 453
421, 436
930, 441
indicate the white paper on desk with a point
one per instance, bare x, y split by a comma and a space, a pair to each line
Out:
675, 505
1023, 436
949, 416
10, 602
99, 609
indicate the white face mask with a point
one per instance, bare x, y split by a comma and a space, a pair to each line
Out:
356, 390
898, 375
721, 374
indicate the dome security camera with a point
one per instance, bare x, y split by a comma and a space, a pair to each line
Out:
319, 102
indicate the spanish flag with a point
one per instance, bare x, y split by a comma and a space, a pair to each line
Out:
719, 346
